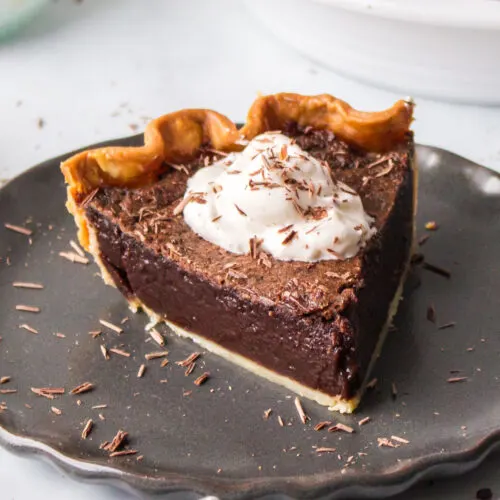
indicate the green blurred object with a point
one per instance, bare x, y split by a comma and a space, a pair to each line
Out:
15, 14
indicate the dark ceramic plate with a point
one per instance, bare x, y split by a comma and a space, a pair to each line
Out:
215, 440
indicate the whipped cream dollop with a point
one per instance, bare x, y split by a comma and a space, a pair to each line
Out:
274, 196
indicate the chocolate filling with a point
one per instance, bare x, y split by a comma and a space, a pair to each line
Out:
315, 323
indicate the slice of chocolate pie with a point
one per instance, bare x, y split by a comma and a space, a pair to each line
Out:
281, 246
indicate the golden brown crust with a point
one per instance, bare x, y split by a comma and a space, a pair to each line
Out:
176, 138
371, 131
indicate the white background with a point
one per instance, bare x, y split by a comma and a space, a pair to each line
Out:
98, 69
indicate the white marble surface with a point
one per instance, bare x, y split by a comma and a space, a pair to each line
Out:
92, 70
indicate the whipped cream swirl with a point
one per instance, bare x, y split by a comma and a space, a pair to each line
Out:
275, 197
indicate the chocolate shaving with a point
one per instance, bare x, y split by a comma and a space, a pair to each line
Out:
123, 453
4, 380
141, 371
182, 204
117, 441
336, 254
104, 352
400, 440
155, 355
87, 429
89, 198
190, 359
364, 421
179, 168
267, 302
19, 229
33, 286
216, 188
300, 410
454, 380
74, 257
283, 153
321, 425
346, 276
55, 410
341, 427
451, 324
289, 237
157, 336
236, 274
285, 229
8, 391
254, 247
324, 449
298, 208
256, 172
25, 308
190, 369
384, 442
199, 199
82, 388
202, 378
28, 328
171, 248
267, 413
77, 249
423, 239
381, 160
312, 229
120, 352
217, 152
437, 270
384, 171
240, 210
265, 260
48, 392
111, 326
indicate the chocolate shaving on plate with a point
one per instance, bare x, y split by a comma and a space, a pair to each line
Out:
321, 425
87, 429
19, 229
111, 326
437, 270
300, 410
82, 388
